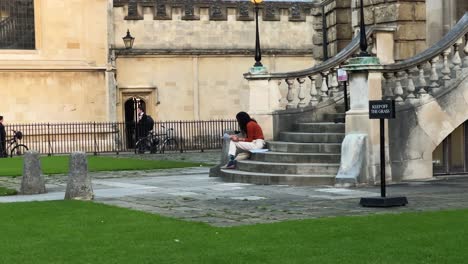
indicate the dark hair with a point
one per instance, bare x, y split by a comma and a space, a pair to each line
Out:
243, 119
141, 108
1, 117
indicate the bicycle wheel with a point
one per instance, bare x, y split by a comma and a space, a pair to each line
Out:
142, 145
154, 145
18, 150
170, 144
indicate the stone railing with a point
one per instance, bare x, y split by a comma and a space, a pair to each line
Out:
429, 72
319, 83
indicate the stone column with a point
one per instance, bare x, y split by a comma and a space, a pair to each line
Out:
365, 84
263, 101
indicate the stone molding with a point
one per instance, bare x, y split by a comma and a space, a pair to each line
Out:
163, 10
208, 52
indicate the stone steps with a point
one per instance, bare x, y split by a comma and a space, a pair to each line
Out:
288, 168
290, 157
282, 146
320, 127
276, 179
309, 155
312, 137
335, 118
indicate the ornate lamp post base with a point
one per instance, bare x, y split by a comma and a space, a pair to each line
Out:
258, 70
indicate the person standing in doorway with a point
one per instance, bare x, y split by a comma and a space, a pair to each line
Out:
2, 139
239, 147
142, 123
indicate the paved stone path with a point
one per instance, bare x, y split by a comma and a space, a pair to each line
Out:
191, 195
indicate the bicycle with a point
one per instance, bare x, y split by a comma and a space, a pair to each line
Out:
154, 142
14, 148
168, 140
150, 142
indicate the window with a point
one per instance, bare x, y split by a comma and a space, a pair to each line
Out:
17, 24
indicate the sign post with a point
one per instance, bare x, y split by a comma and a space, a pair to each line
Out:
382, 109
343, 77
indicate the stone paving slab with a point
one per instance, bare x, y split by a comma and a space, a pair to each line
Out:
191, 195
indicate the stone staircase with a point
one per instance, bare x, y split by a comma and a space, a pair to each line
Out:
309, 155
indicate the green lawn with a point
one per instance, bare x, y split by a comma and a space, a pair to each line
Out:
59, 164
4, 191
85, 232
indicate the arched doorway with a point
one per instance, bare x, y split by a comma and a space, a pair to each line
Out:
130, 114
451, 156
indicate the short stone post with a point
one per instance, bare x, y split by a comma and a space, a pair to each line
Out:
32, 182
79, 185
215, 171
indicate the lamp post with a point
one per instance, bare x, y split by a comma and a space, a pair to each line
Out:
362, 31
128, 40
136, 103
258, 51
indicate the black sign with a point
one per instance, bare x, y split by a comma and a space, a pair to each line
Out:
382, 109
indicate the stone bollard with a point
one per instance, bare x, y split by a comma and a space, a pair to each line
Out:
214, 172
32, 182
79, 185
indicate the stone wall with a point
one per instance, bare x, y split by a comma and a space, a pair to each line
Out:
193, 86
195, 25
339, 29
409, 16
63, 79
441, 16
189, 57
68, 96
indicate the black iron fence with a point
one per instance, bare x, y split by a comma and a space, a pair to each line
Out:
107, 137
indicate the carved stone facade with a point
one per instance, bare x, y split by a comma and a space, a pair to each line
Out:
198, 49
297, 11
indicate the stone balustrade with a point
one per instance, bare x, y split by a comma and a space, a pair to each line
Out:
310, 87
428, 73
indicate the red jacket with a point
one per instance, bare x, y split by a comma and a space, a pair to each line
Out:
254, 131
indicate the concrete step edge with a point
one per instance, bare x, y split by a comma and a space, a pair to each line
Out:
276, 174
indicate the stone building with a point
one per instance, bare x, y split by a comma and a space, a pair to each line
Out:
65, 60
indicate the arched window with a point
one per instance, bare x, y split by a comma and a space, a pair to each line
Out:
17, 24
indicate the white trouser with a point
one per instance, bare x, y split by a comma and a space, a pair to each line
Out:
243, 148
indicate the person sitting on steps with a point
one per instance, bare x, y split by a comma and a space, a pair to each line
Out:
241, 146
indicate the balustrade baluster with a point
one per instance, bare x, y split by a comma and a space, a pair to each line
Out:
282, 101
456, 60
388, 93
302, 92
410, 88
422, 81
290, 96
446, 69
465, 60
398, 87
434, 87
324, 88
313, 92
334, 82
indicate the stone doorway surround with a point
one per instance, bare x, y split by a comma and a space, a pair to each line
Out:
149, 94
